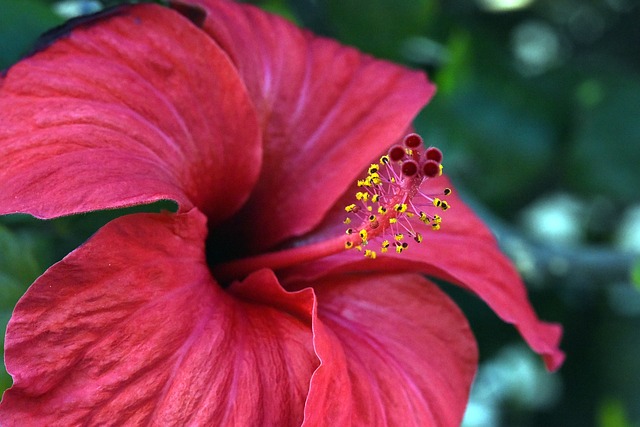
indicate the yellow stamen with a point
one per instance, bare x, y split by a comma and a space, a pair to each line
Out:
370, 254
400, 207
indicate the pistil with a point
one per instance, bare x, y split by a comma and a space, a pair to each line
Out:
240, 268
390, 206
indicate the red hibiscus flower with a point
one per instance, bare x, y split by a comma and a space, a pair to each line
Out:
249, 305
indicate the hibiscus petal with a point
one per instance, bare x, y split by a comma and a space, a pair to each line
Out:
463, 252
131, 329
138, 107
323, 107
410, 354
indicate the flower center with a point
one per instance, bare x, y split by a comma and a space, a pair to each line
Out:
390, 207
391, 198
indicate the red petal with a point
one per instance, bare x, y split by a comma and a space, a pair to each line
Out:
136, 108
410, 354
464, 252
325, 109
130, 329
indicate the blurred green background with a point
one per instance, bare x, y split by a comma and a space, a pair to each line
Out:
537, 113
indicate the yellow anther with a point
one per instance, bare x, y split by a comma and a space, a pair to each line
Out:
437, 219
400, 207
435, 226
363, 235
349, 231
370, 254
372, 218
347, 220
382, 210
370, 209
393, 220
447, 191
351, 208
348, 244
400, 248
374, 168
398, 236
424, 218
418, 237
384, 160
360, 195
374, 179
444, 205
375, 198
385, 245
437, 202
441, 167
363, 183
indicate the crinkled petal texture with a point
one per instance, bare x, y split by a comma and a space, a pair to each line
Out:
138, 107
141, 334
323, 107
130, 329
410, 353
464, 252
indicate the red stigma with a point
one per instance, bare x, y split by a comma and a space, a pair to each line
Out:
413, 140
409, 168
433, 154
431, 168
397, 153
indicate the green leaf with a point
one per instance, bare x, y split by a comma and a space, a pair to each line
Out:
635, 275
612, 414
19, 267
21, 23
279, 7
18, 264
497, 148
606, 150
379, 27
